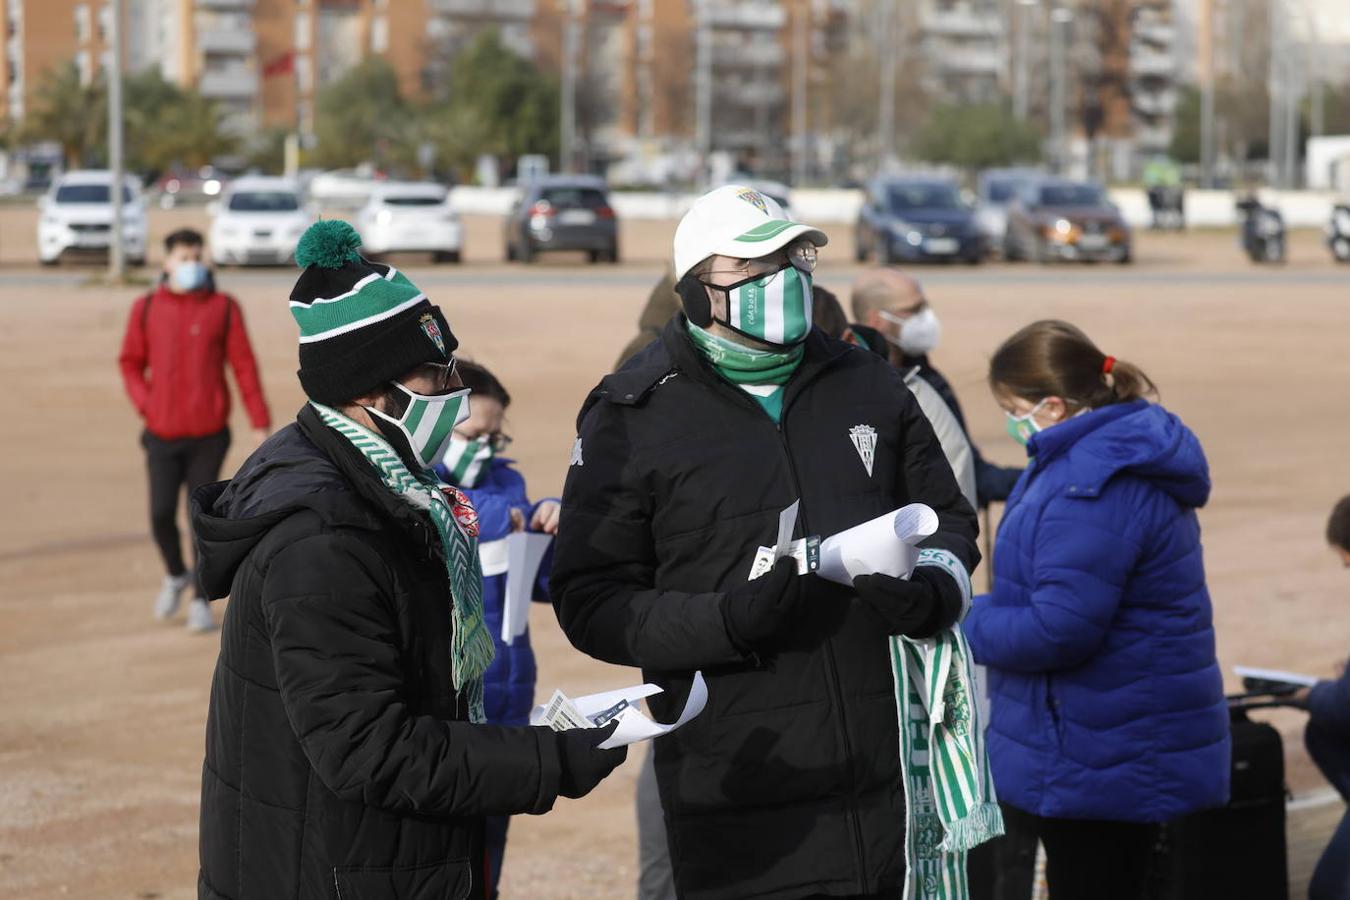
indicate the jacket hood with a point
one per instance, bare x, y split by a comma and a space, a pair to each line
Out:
286, 475
1138, 438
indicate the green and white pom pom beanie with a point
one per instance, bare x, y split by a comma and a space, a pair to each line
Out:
362, 324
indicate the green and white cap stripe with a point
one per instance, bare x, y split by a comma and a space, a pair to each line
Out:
373, 299
777, 309
738, 221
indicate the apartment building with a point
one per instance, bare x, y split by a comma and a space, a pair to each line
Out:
963, 46
44, 36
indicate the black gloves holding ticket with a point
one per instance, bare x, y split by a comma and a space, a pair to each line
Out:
584, 764
920, 607
761, 613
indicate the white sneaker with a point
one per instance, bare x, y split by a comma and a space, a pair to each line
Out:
171, 594
199, 616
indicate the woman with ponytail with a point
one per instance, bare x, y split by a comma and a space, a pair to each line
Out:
1108, 714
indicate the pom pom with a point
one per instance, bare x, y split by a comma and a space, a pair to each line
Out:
329, 244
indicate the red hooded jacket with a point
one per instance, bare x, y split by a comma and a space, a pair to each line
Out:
173, 362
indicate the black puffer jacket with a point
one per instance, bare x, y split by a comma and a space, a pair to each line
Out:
789, 782
338, 764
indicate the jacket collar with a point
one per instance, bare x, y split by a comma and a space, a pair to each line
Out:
357, 472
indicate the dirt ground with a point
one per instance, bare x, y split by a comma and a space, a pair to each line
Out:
102, 708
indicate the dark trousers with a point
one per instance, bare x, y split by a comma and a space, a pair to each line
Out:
171, 465
1331, 751
495, 828
1085, 859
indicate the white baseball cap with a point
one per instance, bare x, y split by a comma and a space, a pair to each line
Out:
737, 221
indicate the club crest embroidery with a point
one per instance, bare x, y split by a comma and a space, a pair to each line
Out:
864, 438
755, 199
432, 329
576, 459
461, 508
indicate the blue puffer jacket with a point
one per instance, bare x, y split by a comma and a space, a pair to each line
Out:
508, 684
1107, 700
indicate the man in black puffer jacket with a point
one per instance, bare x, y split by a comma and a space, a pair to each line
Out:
344, 755
788, 784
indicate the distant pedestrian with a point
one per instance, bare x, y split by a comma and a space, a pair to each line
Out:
178, 340
1108, 714
1328, 740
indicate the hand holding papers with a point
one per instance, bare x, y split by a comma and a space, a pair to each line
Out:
885, 545
562, 713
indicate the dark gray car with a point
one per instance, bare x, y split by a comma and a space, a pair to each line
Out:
563, 212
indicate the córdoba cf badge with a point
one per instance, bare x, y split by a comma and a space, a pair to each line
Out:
864, 438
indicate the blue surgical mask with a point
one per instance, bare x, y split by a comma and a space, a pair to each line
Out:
189, 275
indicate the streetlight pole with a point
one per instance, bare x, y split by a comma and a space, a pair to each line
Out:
702, 87
568, 113
886, 47
1022, 67
1275, 88
1059, 19
1207, 94
801, 60
116, 257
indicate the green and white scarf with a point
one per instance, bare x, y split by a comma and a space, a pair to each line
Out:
949, 790
760, 373
471, 646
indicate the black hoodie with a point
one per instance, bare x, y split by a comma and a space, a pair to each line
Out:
338, 759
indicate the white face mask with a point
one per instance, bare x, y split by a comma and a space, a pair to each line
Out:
188, 275
918, 334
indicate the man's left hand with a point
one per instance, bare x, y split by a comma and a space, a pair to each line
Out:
918, 607
546, 516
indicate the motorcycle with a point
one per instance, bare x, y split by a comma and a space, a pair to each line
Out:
1338, 232
1262, 232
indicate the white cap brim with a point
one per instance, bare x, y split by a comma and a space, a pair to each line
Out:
769, 237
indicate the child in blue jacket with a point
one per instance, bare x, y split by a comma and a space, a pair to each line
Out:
1327, 738
1107, 706
472, 463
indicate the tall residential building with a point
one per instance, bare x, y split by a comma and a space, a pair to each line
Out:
963, 46
42, 36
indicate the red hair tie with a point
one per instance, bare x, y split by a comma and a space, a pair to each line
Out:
1108, 364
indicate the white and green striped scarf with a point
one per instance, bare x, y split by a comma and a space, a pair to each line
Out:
949, 790
471, 646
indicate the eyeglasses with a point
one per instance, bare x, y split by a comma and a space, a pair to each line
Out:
496, 440
443, 375
800, 254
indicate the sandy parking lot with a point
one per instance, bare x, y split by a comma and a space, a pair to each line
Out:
101, 708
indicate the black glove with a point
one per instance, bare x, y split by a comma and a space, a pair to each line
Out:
920, 607
584, 764
759, 613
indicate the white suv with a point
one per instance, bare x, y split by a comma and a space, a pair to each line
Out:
75, 216
411, 217
258, 222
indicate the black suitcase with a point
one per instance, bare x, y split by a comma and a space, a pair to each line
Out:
1237, 851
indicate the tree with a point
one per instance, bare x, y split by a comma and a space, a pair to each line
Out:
1186, 127
168, 126
495, 102
70, 113
362, 117
977, 136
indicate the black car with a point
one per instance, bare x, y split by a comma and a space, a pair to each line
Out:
917, 219
563, 212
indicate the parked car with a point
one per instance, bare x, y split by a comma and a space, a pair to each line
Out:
995, 190
917, 219
182, 188
76, 217
563, 212
1058, 219
411, 217
258, 221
